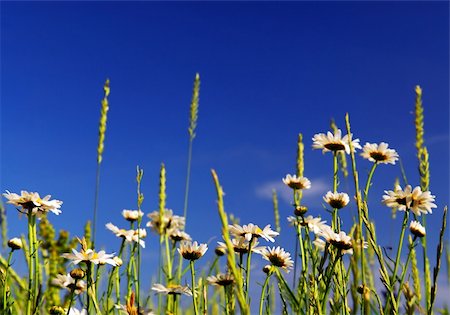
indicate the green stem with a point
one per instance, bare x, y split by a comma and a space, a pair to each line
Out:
72, 293
369, 181
89, 285
399, 250
247, 271
335, 224
188, 176
168, 259
193, 287
94, 220
263, 291
405, 268
31, 252
5, 287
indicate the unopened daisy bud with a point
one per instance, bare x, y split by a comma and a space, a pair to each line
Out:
336, 200
118, 261
15, 243
300, 210
220, 251
361, 288
57, 310
417, 229
267, 269
77, 273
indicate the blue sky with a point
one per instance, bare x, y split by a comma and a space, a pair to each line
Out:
269, 71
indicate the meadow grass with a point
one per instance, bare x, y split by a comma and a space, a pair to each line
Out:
334, 271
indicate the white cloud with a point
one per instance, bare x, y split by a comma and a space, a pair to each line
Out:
264, 191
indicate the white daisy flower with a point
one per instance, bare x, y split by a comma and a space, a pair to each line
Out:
379, 153
315, 225
129, 235
31, 201
178, 235
132, 215
278, 257
334, 142
172, 289
168, 222
297, 183
339, 240
417, 201
336, 200
417, 229
240, 246
67, 282
90, 255
221, 279
192, 251
252, 230
74, 311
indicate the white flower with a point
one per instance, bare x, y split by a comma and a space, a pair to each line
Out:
319, 244
132, 215
417, 229
172, 289
334, 142
241, 245
336, 200
167, 222
379, 153
278, 257
339, 240
314, 224
90, 255
67, 282
296, 183
252, 230
74, 311
31, 201
417, 201
129, 235
192, 251
221, 279
178, 235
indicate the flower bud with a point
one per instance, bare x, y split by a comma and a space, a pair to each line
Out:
118, 261
57, 310
77, 274
300, 210
220, 251
15, 243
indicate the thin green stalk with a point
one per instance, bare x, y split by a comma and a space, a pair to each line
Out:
72, 294
112, 275
263, 291
335, 224
168, 259
247, 271
94, 220
89, 285
194, 300
405, 269
369, 181
5, 287
32, 252
140, 200
286, 286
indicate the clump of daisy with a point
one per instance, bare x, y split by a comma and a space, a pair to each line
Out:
336, 200
69, 283
32, 203
334, 142
89, 255
278, 257
192, 251
221, 279
129, 235
253, 231
416, 200
417, 229
132, 215
379, 153
171, 289
297, 183
165, 223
